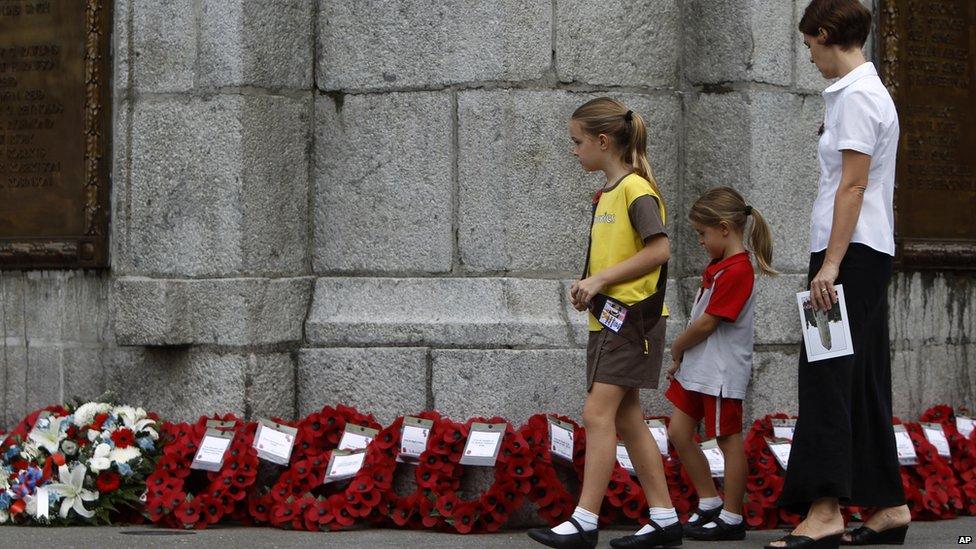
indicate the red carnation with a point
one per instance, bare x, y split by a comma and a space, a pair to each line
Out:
107, 482
123, 438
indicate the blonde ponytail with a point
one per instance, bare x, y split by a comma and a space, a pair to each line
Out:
761, 242
726, 205
624, 127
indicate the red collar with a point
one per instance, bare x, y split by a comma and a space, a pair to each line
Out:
718, 265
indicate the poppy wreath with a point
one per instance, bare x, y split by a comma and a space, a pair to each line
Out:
963, 450
321, 431
765, 478
931, 487
403, 510
301, 500
179, 497
318, 434
439, 476
553, 500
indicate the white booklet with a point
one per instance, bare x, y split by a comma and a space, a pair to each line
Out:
826, 334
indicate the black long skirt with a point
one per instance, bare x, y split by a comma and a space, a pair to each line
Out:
844, 443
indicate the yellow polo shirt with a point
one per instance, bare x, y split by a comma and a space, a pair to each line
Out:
626, 215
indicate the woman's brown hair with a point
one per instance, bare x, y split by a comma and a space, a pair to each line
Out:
726, 205
624, 127
847, 22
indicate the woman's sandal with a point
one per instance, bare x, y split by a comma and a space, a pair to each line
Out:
867, 536
806, 542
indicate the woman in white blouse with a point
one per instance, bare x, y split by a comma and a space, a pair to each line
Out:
844, 446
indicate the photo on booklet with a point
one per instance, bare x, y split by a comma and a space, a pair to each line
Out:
826, 334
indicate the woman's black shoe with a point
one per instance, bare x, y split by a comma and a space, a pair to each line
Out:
867, 536
722, 531
667, 536
805, 542
581, 539
704, 517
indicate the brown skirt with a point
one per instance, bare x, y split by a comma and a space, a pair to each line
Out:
614, 359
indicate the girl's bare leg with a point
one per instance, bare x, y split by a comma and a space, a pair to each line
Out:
643, 451
599, 412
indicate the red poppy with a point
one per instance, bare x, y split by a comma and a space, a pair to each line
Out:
317, 515
211, 511
389, 437
282, 513
107, 482
464, 518
519, 467
402, 512
188, 513
343, 518
260, 508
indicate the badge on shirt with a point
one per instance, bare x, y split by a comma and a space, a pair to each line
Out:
613, 315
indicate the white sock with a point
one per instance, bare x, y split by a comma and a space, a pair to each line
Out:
585, 518
663, 516
728, 518
706, 504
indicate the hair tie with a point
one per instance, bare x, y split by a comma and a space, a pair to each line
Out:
629, 116
748, 210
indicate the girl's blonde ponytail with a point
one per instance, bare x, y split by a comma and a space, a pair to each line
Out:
726, 205
625, 127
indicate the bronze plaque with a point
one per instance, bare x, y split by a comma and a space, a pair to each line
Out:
55, 123
928, 62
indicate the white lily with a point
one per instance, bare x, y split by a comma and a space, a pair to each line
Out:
47, 434
100, 460
135, 420
85, 414
4, 516
71, 488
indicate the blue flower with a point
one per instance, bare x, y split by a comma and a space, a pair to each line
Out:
146, 443
124, 469
4, 501
11, 452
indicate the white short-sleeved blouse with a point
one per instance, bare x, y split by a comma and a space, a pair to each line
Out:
860, 116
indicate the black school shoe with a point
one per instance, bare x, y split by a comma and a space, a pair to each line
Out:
581, 539
722, 531
667, 536
704, 517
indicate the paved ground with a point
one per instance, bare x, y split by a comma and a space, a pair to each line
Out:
921, 535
